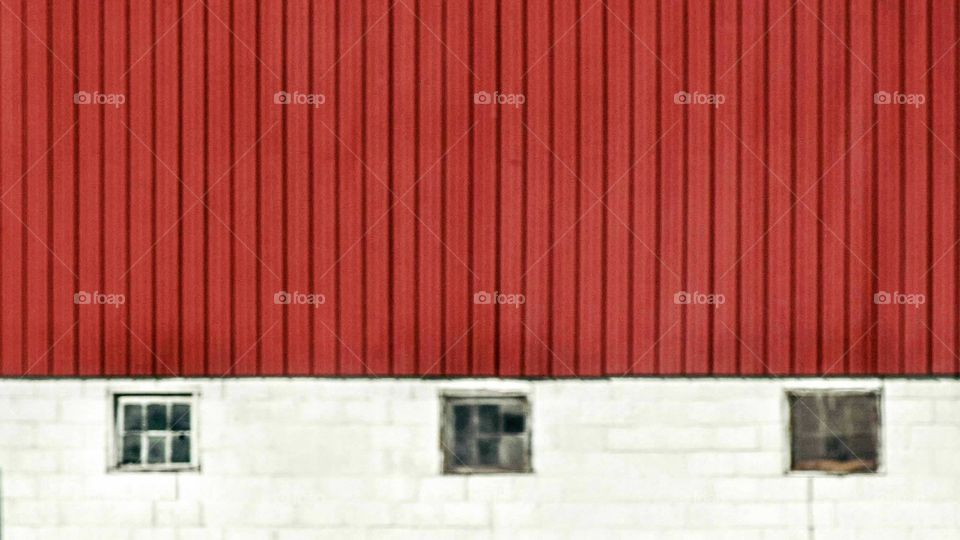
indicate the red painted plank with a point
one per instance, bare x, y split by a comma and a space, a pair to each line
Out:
539, 188
563, 256
943, 104
616, 189
36, 183
672, 188
404, 223
191, 173
64, 196
116, 203
782, 205
221, 222
808, 229
351, 178
484, 180
297, 201
727, 187
589, 168
459, 284
647, 271
889, 353
271, 186
835, 240
379, 202
140, 270
510, 227
698, 209
13, 165
860, 191
323, 155
90, 201
168, 192
428, 193
242, 181
756, 184
918, 224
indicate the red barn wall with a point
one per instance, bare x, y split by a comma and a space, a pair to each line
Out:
399, 198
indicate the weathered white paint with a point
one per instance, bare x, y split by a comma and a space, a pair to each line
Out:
293, 459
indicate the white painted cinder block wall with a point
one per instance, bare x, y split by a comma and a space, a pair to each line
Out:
302, 459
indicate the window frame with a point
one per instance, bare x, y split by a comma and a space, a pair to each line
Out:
871, 390
448, 432
146, 398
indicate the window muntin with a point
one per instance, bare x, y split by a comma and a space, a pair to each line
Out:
486, 434
835, 431
155, 432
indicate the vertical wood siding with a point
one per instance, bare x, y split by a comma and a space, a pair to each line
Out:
406, 193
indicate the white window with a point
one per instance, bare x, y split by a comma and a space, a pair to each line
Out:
155, 432
486, 434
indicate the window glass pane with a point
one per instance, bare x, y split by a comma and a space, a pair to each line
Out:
157, 416
180, 451
131, 449
461, 419
180, 417
834, 432
488, 451
157, 450
489, 418
513, 423
513, 453
461, 454
132, 417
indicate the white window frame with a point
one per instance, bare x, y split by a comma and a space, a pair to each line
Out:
122, 399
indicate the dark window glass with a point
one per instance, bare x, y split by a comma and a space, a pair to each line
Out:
461, 415
132, 417
157, 416
834, 432
180, 417
489, 418
180, 451
157, 450
131, 449
513, 423
488, 451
